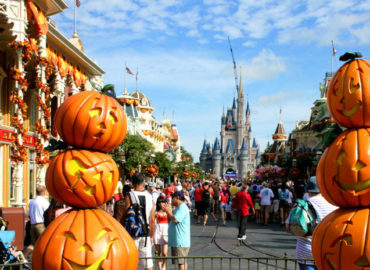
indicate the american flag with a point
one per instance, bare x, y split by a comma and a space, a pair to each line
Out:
334, 50
129, 71
78, 3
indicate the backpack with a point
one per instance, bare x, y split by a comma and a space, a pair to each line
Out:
136, 223
303, 218
205, 195
283, 195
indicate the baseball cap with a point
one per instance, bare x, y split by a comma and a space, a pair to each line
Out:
151, 184
179, 194
312, 186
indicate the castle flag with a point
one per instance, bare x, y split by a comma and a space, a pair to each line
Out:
129, 71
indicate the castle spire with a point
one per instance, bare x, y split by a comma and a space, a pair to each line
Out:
241, 90
234, 103
248, 112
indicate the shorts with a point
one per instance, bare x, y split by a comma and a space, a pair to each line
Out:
223, 206
204, 208
144, 251
275, 206
197, 205
284, 205
266, 209
36, 231
179, 252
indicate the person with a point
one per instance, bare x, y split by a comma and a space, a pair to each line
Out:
283, 203
50, 213
204, 207
266, 195
161, 232
198, 199
168, 191
233, 190
242, 203
223, 198
322, 208
179, 229
153, 191
257, 208
144, 243
275, 203
37, 207
216, 196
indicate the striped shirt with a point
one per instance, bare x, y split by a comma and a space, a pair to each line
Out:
323, 208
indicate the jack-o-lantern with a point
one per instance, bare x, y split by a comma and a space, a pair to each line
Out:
85, 239
91, 120
349, 94
343, 173
341, 241
82, 178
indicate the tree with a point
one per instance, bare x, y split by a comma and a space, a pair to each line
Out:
132, 153
164, 165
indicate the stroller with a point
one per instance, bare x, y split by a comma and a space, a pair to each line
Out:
6, 256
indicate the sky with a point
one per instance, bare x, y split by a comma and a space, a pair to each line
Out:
181, 52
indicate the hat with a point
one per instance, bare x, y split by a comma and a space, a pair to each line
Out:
151, 184
224, 188
312, 186
179, 194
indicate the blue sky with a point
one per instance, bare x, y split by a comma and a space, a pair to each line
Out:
181, 50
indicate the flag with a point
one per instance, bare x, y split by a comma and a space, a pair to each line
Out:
78, 3
334, 50
129, 71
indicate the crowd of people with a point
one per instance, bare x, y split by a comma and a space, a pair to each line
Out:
158, 216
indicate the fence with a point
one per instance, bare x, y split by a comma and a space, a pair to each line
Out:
212, 263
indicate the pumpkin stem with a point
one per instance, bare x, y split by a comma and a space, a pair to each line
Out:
108, 88
56, 145
350, 56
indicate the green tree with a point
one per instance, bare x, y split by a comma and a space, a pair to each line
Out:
132, 153
164, 165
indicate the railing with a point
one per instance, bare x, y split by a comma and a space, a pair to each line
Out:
210, 263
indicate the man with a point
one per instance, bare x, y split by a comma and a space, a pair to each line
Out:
322, 208
37, 207
266, 195
198, 199
216, 195
241, 203
205, 205
144, 243
179, 229
233, 190
153, 191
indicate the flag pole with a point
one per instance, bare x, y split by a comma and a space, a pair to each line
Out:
332, 57
137, 72
124, 80
75, 11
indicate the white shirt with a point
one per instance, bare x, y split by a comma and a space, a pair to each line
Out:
148, 201
266, 195
155, 194
37, 207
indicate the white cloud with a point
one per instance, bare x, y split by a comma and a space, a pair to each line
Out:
278, 98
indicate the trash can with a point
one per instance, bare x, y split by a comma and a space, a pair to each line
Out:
16, 218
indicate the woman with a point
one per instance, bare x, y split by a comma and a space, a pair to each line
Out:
223, 198
161, 232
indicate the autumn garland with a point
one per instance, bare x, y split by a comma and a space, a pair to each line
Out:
20, 153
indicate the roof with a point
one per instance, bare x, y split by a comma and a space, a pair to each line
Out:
248, 109
254, 143
244, 146
250, 128
216, 145
234, 103
280, 129
258, 154
204, 149
230, 146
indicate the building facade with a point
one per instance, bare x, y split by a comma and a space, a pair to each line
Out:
39, 68
236, 154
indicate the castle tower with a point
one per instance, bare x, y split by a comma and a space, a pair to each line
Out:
240, 117
217, 158
234, 109
278, 147
243, 157
223, 126
203, 155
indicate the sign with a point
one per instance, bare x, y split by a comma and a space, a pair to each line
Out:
9, 136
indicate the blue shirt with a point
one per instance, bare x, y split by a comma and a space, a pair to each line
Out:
179, 233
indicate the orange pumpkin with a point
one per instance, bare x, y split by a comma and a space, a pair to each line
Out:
82, 178
91, 120
343, 173
341, 241
349, 94
85, 239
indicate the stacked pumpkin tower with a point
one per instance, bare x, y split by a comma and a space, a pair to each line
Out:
342, 239
84, 177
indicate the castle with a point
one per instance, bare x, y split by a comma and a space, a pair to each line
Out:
234, 156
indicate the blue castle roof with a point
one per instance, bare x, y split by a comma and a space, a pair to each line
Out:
244, 146
250, 128
234, 103
254, 145
258, 154
216, 145
230, 146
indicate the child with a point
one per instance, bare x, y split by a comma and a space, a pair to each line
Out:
229, 210
257, 208
161, 232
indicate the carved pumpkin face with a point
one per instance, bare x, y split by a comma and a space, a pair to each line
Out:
82, 178
85, 239
91, 120
343, 173
342, 240
349, 94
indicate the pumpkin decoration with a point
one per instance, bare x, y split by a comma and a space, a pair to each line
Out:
341, 241
82, 178
343, 173
349, 92
91, 120
85, 239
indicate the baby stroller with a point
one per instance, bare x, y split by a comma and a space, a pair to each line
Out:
6, 257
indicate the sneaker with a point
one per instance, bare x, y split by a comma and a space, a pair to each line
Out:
244, 237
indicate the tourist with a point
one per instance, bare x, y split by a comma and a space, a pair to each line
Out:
283, 203
198, 199
153, 191
266, 195
179, 229
223, 198
37, 207
242, 203
144, 243
275, 203
322, 208
161, 233
204, 207
50, 213
233, 190
168, 191
216, 196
